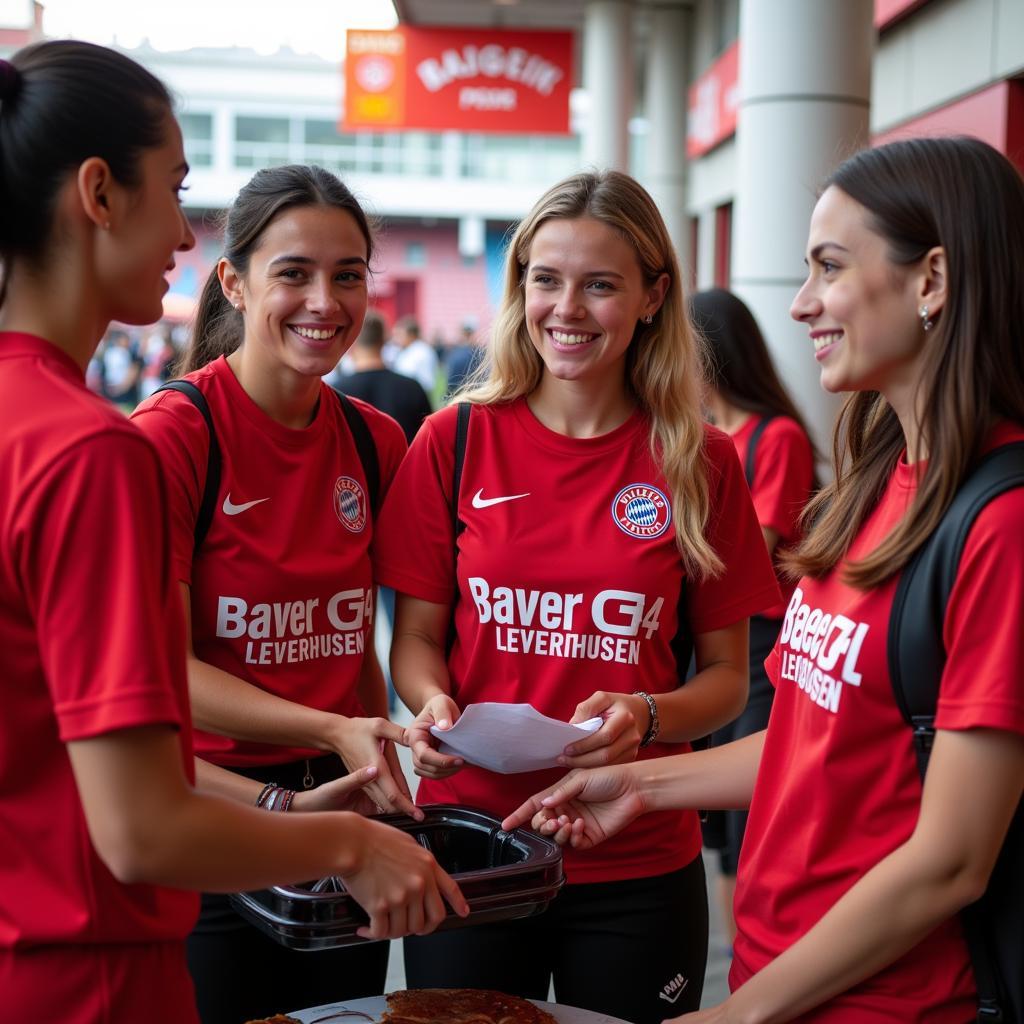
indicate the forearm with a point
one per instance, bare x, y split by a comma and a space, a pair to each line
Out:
418, 669
371, 688
213, 780
892, 908
719, 778
229, 706
714, 696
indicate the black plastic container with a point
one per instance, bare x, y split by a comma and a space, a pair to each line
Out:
503, 875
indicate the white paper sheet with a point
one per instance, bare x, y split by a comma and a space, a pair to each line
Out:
510, 738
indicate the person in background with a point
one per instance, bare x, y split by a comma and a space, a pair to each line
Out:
414, 357
745, 398
278, 596
122, 369
401, 397
602, 518
463, 358
854, 872
103, 830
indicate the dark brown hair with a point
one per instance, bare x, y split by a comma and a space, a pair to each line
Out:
739, 366
218, 327
962, 195
65, 102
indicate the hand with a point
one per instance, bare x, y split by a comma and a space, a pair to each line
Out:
584, 809
344, 794
428, 763
400, 885
368, 741
626, 717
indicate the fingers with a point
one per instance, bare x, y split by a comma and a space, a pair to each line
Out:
452, 893
429, 763
398, 788
527, 812
386, 730
592, 707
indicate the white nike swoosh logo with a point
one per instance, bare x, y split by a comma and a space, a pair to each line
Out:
481, 502
229, 508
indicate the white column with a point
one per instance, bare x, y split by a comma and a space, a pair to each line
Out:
608, 81
805, 86
666, 94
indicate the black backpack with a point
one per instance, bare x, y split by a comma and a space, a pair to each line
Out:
749, 463
994, 925
361, 435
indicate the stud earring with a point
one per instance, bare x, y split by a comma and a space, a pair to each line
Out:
926, 322
106, 225
649, 319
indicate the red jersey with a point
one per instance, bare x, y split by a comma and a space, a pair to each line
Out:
86, 613
838, 787
282, 588
568, 582
783, 479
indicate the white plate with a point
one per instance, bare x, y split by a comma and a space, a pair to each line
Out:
376, 1005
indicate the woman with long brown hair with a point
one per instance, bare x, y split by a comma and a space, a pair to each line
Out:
854, 872
602, 520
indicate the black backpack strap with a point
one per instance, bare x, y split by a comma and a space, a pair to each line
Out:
917, 657
464, 410
365, 447
208, 503
461, 436
750, 463
916, 652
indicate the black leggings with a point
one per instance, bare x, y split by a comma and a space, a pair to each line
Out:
636, 949
240, 974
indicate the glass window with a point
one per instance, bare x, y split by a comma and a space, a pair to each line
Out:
415, 254
197, 133
261, 141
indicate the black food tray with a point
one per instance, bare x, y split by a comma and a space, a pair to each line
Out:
503, 875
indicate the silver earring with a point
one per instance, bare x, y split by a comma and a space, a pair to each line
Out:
926, 322
649, 319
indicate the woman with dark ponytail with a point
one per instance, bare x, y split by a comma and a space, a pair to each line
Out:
278, 594
101, 825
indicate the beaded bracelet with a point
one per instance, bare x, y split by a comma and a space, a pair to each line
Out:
655, 727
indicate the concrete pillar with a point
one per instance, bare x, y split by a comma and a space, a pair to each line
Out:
805, 86
608, 80
666, 95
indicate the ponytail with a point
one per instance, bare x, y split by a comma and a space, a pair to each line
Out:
217, 330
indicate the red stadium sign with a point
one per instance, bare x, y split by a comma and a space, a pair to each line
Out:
458, 80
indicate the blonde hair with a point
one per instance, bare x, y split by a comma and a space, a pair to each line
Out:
665, 360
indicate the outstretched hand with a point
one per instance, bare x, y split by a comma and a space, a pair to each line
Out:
584, 809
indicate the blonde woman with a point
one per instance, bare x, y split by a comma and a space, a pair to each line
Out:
594, 505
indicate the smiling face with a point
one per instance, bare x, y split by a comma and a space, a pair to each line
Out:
584, 296
148, 228
304, 294
861, 308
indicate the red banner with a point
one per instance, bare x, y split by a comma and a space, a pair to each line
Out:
473, 80
714, 101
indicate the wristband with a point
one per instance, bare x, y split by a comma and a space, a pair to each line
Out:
655, 727
265, 793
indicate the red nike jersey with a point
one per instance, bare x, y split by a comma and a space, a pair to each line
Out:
282, 585
568, 582
86, 612
838, 787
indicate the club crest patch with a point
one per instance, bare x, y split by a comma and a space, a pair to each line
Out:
642, 511
350, 503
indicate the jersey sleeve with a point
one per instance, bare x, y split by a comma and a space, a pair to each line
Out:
783, 477
90, 551
413, 544
182, 440
747, 583
981, 686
